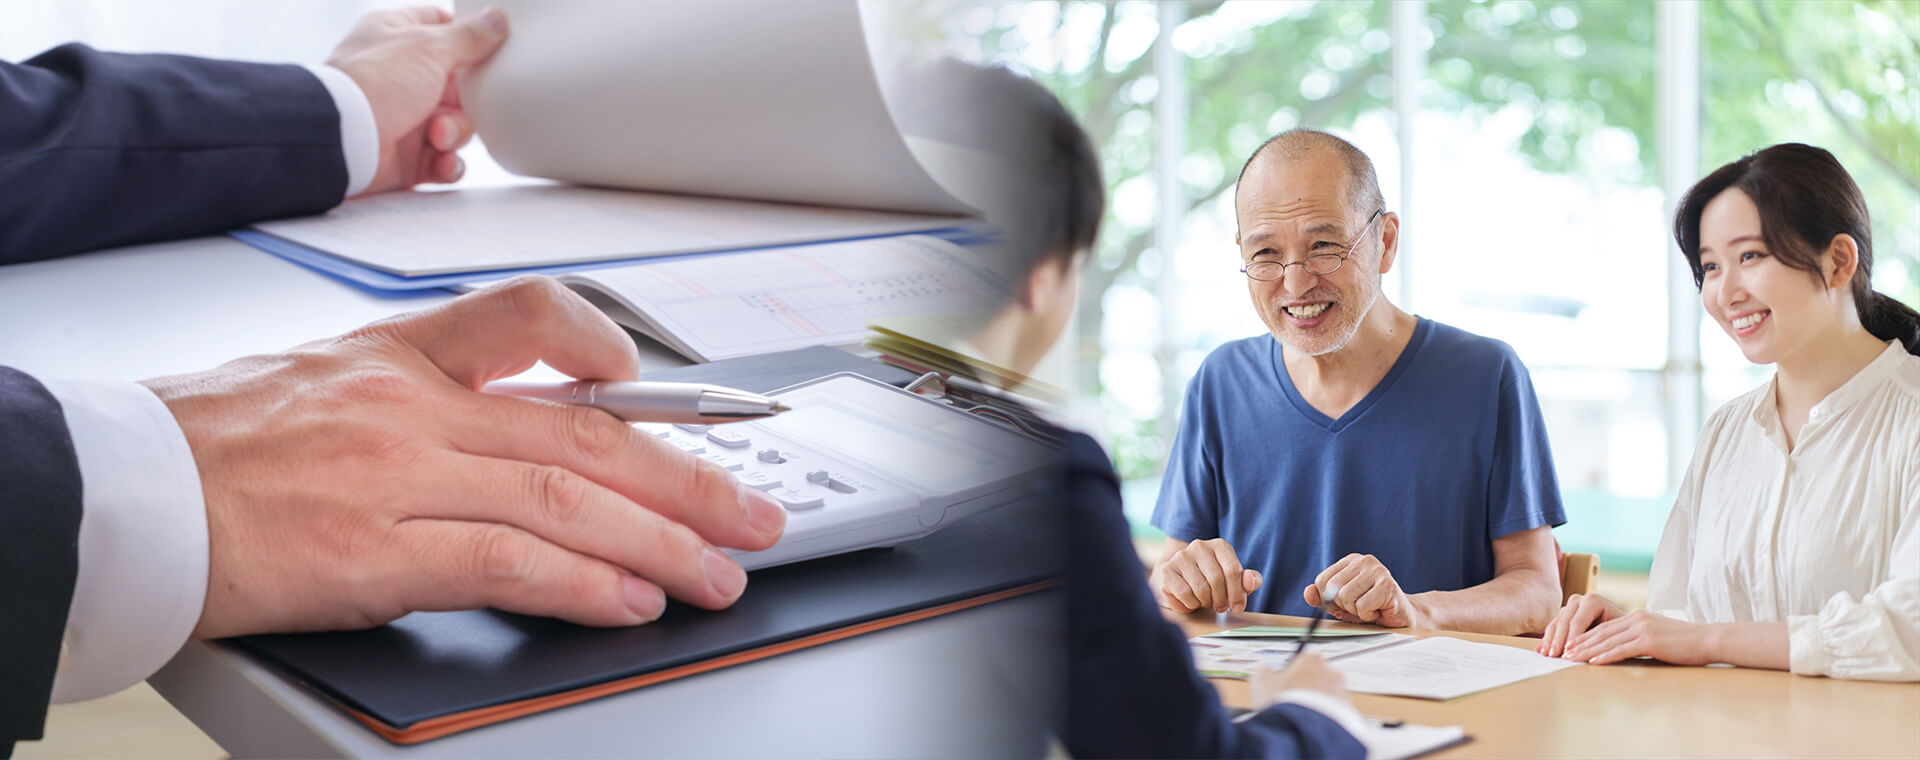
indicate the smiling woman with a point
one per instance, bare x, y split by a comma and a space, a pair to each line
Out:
1794, 204
1813, 477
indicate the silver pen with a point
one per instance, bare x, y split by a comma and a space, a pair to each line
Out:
640, 401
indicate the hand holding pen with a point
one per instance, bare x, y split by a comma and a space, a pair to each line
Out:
637, 401
1304, 671
1319, 614
354, 480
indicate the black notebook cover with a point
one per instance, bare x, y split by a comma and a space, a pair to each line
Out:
429, 665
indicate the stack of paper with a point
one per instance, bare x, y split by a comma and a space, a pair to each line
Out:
1437, 667
489, 232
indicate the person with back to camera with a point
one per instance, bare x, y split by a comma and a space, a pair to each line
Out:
1131, 689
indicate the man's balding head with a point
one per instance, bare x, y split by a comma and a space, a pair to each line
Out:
1308, 194
1363, 185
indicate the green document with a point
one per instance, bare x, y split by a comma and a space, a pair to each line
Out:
1287, 632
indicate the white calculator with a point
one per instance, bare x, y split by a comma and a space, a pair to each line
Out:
860, 464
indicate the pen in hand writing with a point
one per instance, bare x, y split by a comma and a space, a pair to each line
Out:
1319, 614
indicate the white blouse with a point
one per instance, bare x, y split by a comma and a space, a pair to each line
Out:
1826, 538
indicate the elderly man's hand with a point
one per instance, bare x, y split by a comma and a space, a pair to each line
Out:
1365, 592
352, 480
1203, 575
407, 61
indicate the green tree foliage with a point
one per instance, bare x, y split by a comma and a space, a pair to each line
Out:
1838, 75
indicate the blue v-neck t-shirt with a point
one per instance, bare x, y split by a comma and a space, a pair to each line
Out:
1445, 455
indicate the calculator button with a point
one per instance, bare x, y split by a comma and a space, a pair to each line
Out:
731, 439
731, 463
691, 447
771, 456
757, 480
822, 477
796, 500
656, 429
692, 427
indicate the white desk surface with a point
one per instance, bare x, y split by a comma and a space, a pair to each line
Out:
971, 683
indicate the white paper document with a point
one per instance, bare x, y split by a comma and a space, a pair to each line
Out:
1395, 740
1399, 741
1440, 667
1238, 658
737, 304
492, 228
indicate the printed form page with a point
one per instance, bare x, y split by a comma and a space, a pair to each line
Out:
1439, 667
756, 302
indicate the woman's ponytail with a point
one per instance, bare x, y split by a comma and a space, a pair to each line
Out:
1889, 319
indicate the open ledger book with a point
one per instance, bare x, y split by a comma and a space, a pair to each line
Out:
678, 127
753, 302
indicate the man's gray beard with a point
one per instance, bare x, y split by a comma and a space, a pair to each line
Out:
1368, 298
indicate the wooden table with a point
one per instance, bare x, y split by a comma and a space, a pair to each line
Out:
1645, 709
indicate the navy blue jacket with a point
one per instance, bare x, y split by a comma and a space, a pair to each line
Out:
39, 550
1131, 687
97, 150
105, 149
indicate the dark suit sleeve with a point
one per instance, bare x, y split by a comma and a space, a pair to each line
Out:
39, 550
1132, 690
103, 149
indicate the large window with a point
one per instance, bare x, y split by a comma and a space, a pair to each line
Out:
1837, 75
1537, 191
1533, 149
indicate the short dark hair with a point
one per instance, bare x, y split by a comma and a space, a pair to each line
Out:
1058, 193
1363, 183
1805, 198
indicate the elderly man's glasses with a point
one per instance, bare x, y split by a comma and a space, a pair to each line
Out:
1317, 264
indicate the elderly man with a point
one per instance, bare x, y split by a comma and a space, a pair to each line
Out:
1388, 466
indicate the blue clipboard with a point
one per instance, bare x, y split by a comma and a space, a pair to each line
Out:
387, 283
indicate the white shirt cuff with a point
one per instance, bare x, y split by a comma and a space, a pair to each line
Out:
359, 135
1339, 711
1805, 655
143, 539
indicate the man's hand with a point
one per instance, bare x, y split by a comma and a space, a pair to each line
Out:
1203, 575
407, 61
1307, 671
1366, 593
352, 480
1581, 613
